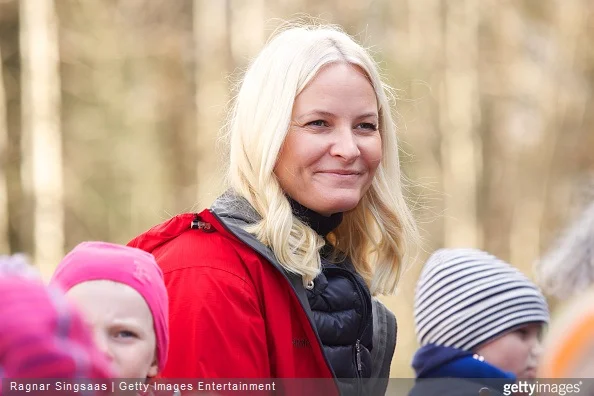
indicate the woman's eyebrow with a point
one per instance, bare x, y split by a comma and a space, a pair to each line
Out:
324, 113
318, 112
366, 115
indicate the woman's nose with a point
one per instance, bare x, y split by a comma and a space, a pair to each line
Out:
345, 144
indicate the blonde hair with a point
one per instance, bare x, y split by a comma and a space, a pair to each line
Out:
375, 233
568, 267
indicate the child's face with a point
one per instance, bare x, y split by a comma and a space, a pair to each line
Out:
122, 323
516, 351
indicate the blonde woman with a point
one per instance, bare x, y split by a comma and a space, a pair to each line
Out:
276, 279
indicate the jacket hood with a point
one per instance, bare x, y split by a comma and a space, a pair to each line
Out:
460, 372
232, 208
433, 361
430, 357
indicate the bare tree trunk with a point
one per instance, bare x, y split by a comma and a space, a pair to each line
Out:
4, 227
461, 153
551, 95
412, 39
177, 76
42, 145
501, 166
93, 108
425, 38
214, 60
246, 28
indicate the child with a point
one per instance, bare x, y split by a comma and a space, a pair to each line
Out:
121, 292
569, 347
41, 334
476, 318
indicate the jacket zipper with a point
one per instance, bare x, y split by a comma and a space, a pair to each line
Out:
358, 356
364, 322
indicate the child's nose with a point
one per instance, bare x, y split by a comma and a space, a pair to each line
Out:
102, 342
536, 349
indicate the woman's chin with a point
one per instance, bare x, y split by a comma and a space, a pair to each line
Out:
331, 207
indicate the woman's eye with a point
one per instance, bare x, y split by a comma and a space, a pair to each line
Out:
318, 123
368, 125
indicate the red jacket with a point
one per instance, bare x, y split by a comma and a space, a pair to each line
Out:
232, 312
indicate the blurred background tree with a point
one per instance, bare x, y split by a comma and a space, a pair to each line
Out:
110, 113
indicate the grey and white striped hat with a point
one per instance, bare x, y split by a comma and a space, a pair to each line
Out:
465, 297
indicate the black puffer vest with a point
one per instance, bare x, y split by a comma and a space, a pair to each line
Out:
342, 309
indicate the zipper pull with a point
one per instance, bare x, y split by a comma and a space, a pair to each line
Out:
358, 353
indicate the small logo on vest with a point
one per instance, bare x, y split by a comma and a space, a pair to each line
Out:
301, 343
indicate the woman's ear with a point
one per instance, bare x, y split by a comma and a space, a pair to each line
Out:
153, 369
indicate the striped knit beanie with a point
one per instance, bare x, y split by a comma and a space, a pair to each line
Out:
466, 297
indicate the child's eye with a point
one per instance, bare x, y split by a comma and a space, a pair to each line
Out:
126, 334
522, 332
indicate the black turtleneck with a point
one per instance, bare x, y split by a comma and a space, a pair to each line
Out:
321, 224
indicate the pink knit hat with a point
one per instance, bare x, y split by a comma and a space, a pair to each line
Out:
43, 336
133, 267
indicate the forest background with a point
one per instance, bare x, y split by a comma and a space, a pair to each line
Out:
110, 112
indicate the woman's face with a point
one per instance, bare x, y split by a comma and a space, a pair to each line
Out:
333, 146
122, 324
517, 351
